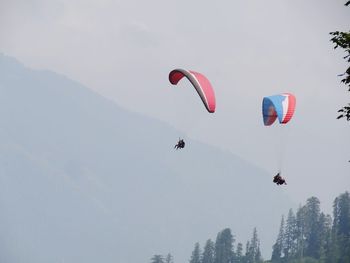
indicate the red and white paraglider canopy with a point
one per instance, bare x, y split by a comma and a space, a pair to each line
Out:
200, 83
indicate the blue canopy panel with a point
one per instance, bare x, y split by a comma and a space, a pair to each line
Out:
272, 107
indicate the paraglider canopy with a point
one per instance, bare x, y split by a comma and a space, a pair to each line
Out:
280, 106
200, 83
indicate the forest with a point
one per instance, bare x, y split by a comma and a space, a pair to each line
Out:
306, 235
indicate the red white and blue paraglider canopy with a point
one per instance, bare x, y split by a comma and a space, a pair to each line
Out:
280, 106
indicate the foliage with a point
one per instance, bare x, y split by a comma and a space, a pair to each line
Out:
169, 258
342, 40
312, 237
196, 254
224, 247
307, 236
278, 246
208, 253
162, 259
239, 253
157, 259
341, 227
253, 254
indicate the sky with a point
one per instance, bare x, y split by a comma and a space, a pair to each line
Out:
124, 50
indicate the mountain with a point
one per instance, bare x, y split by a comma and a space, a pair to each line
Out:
83, 180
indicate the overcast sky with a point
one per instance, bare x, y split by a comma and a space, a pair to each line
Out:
124, 50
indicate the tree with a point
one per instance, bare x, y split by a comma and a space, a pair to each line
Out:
196, 254
157, 259
239, 253
290, 236
300, 229
341, 228
278, 246
342, 214
169, 258
253, 254
312, 234
224, 247
208, 253
342, 40
247, 246
325, 227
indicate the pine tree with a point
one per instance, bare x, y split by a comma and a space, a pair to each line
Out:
208, 253
341, 227
290, 236
169, 258
333, 248
246, 256
224, 247
300, 231
325, 236
196, 254
239, 253
278, 246
327, 240
253, 253
157, 259
254, 249
312, 234
343, 215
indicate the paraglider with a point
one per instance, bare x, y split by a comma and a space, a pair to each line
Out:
281, 107
278, 106
279, 180
180, 144
201, 85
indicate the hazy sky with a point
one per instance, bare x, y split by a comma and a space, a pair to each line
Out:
124, 50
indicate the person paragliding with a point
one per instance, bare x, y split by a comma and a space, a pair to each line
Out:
180, 144
279, 107
279, 180
201, 85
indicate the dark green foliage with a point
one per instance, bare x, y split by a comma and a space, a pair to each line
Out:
239, 258
196, 254
308, 236
345, 112
311, 237
325, 230
278, 246
161, 259
342, 40
290, 236
208, 253
169, 258
341, 214
222, 251
341, 228
253, 254
224, 247
157, 259
312, 228
304, 260
300, 230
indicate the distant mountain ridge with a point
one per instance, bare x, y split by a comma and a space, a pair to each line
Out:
82, 180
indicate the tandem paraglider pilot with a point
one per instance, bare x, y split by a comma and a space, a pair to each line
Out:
279, 180
180, 144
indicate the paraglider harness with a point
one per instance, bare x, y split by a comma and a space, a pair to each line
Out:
180, 144
278, 179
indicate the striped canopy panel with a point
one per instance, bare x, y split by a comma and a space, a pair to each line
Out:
278, 106
200, 83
